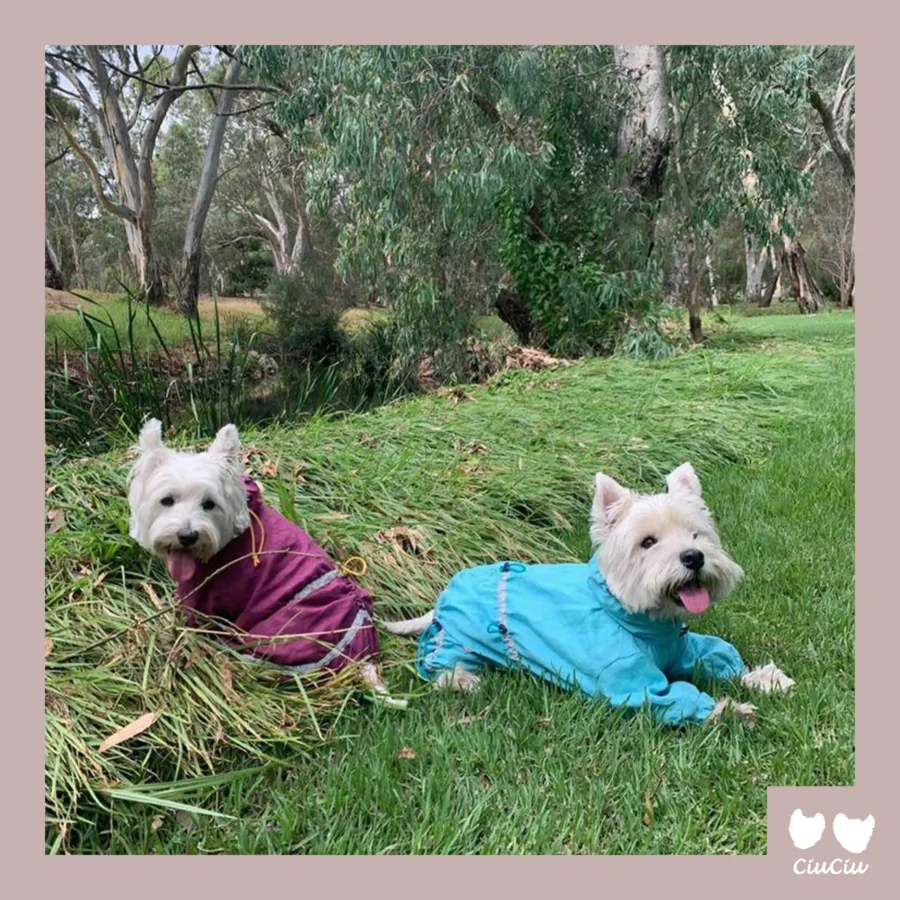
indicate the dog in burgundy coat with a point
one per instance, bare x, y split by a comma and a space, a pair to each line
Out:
241, 568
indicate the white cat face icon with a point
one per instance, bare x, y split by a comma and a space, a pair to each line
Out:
852, 834
806, 831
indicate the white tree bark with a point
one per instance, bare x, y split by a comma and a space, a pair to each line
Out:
647, 128
756, 265
53, 277
645, 131
778, 293
711, 275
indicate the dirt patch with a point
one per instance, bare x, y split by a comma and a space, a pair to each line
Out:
233, 306
55, 301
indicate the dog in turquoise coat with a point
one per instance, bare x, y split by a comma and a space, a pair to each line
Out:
617, 627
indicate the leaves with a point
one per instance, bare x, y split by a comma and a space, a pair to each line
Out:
132, 729
400, 537
56, 519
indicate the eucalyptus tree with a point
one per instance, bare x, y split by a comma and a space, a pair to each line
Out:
838, 119
124, 97
470, 176
206, 185
737, 157
265, 193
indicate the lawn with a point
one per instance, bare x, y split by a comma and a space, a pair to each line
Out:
63, 327
765, 412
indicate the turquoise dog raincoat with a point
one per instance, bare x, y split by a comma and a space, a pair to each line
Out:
562, 623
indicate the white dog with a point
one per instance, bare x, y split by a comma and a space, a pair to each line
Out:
615, 627
238, 561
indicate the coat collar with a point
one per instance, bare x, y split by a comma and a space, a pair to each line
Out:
638, 624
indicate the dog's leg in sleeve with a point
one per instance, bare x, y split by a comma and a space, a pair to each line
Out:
708, 657
633, 681
714, 658
445, 662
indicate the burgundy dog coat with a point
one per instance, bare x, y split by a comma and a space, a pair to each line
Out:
322, 619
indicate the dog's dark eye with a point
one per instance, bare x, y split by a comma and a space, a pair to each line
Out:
696, 535
208, 505
648, 542
167, 501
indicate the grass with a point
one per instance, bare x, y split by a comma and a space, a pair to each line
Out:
61, 327
764, 411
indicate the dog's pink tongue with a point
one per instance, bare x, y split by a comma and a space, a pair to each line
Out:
695, 599
181, 565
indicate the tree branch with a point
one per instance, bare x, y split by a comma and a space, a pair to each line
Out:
175, 87
838, 145
55, 159
115, 209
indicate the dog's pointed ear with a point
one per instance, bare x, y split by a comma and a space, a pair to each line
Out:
150, 438
610, 502
684, 480
227, 444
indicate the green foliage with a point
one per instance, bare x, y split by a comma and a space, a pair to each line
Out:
250, 275
759, 85
419, 147
303, 310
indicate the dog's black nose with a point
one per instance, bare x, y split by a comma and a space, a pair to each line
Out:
187, 538
692, 559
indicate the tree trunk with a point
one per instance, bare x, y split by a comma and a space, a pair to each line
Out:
144, 262
765, 301
848, 280
513, 311
756, 265
193, 240
806, 291
711, 274
693, 295
775, 256
645, 133
773, 288
53, 276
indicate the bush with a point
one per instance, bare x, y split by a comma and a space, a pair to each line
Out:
306, 315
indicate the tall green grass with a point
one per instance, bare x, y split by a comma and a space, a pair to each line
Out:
107, 375
113, 365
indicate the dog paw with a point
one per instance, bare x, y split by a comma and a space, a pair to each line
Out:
458, 679
746, 712
372, 679
768, 679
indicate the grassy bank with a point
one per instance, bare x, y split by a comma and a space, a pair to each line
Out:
765, 413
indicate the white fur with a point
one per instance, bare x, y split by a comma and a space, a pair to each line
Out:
410, 627
645, 579
768, 679
458, 679
190, 480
